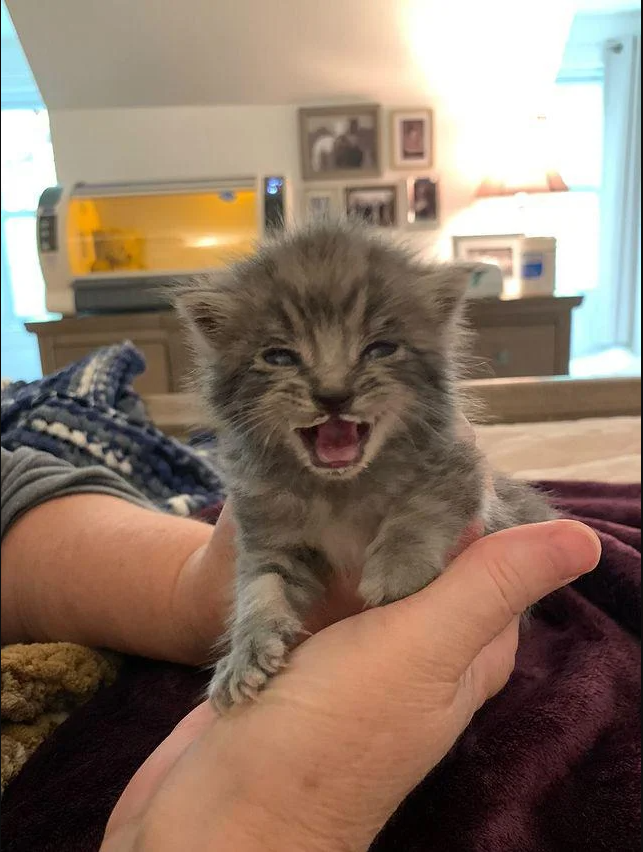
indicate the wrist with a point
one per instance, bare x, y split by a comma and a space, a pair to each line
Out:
235, 827
233, 792
197, 613
203, 591
290, 787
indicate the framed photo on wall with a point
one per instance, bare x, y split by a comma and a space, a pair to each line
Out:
321, 203
376, 205
338, 143
422, 208
412, 139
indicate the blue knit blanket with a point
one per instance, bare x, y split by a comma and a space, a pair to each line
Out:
88, 414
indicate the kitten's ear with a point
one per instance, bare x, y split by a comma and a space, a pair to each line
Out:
206, 308
447, 286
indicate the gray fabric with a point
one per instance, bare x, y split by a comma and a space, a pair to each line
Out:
30, 477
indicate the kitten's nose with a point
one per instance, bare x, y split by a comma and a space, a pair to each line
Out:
333, 403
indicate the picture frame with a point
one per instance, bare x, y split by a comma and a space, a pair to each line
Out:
503, 250
321, 202
339, 142
411, 134
376, 205
422, 202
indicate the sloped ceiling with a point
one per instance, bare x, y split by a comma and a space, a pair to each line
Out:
131, 53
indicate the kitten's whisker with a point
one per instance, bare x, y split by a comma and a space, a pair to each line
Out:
266, 443
422, 421
400, 420
252, 419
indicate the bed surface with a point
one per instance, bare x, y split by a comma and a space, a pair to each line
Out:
606, 449
551, 763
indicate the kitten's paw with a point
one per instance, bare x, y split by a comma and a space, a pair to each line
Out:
235, 682
372, 590
245, 671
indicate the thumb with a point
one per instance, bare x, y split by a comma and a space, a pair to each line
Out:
493, 581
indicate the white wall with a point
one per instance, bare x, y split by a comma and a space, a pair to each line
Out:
152, 90
173, 142
168, 143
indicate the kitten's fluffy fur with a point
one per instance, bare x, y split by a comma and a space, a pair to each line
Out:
325, 294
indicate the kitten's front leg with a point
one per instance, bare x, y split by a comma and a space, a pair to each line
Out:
408, 553
274, 593
412, 545
396, 568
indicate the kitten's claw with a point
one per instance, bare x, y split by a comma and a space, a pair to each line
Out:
372, 590
245, 671
234, 685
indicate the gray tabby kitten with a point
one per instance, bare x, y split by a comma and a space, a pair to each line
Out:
328, 362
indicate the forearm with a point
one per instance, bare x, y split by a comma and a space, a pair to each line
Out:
100, 571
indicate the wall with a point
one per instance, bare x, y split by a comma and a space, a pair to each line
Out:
173, 142
196, 142
144, 90
139, 143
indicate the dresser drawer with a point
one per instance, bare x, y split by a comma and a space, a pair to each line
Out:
504, 351
155, 379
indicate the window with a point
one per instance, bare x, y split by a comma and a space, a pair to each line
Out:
606, 46
593, 138
569, 139
27, 168
575, 131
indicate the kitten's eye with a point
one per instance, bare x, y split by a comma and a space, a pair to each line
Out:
380, 349
281, 358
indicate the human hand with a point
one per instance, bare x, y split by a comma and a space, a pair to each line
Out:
364, 710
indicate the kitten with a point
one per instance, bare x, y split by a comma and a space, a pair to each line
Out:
328, 362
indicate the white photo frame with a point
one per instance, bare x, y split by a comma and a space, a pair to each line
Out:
321, 203
376, 204
412, 139
502, 250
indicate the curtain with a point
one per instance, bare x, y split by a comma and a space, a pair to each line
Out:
612, 305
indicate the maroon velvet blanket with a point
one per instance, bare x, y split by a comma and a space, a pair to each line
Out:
552, 763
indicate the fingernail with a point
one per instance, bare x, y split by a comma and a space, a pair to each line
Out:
578, 543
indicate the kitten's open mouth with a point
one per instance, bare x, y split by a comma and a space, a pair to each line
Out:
336, 443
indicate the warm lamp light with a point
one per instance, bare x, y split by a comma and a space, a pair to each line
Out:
545, 182
524, 168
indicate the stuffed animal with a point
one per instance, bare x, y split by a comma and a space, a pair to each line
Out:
116, 250
41, 685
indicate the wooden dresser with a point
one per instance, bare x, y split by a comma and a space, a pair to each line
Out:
522, 337
518, 337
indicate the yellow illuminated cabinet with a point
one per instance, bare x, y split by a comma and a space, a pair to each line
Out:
108, 248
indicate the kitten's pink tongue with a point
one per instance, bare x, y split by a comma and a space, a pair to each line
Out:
337, 442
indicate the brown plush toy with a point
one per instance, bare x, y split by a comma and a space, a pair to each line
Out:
41, 685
